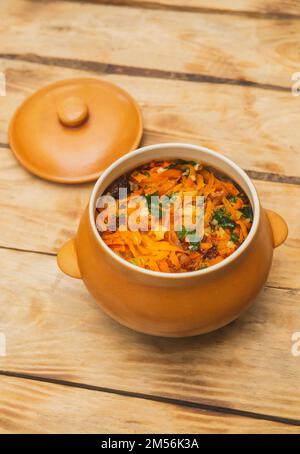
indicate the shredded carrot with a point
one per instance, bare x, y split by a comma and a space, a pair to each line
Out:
210, 184
200, 183
209, 211
206, 246
174, 260
227, 218
163, 266
243, 228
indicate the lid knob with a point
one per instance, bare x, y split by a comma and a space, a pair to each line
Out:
72, 112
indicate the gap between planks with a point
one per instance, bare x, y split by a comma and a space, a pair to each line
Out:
155, 5
136, 71
254, 174
151, 397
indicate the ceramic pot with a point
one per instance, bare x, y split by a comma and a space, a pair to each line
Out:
165, 304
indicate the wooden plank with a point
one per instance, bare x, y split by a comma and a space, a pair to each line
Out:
35, 214
253, 8
34, 407
256, 128
262, 51
54, 329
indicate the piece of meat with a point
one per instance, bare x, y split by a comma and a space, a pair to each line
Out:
121, 182
210, 253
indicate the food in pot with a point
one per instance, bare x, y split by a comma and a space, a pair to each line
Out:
227, 217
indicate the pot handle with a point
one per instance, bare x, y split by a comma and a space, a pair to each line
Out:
67, 260
279, 228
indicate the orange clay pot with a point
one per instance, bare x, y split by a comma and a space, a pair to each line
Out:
165, 304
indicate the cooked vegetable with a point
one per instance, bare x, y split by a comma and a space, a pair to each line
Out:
228, 217
194, 246
180, 162
247, 212
223, 219
232, 198
234, 237
148, 198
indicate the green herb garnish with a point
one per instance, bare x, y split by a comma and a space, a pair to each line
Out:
194, 246
247, 212
232, 199
148, 198
182, 233
234, 237
181, 162
223, 219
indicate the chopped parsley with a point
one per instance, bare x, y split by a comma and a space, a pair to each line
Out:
247, 212
148, 198
223, 219
194, 246
232, 199
181, 162
184, 233
234, 237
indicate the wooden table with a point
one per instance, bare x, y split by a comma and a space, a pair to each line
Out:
216, 73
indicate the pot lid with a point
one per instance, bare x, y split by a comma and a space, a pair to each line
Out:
71, 130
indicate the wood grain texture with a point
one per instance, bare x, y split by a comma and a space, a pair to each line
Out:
54, 329
34, 407
234, 48
256, 128
251, 8
35, 214
213, 73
